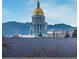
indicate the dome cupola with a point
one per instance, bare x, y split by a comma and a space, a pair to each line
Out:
38, 10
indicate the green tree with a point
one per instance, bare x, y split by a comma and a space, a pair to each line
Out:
67, 34
74, 34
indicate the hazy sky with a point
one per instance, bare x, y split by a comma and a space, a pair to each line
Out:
56, 11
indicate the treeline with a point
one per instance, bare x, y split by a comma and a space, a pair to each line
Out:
74, 34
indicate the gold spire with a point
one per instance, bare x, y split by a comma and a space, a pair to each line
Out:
38, 10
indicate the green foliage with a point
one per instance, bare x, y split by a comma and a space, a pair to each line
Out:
74, 35
67, 34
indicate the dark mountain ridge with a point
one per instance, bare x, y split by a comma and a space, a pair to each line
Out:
14, 27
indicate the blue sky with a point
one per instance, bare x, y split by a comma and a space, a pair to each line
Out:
56, 11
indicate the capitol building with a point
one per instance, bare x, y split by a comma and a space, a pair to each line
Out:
38, 25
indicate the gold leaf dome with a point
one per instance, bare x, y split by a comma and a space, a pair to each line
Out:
38, 11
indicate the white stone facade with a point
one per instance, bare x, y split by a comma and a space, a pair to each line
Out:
38, 25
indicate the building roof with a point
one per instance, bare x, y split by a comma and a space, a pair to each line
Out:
38, 10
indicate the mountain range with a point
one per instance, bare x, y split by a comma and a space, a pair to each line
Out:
14, 27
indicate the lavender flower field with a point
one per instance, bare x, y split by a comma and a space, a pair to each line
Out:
40, 47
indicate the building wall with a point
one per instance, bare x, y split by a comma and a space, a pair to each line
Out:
56, 34
38, 26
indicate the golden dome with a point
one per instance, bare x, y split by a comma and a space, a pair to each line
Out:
38, 11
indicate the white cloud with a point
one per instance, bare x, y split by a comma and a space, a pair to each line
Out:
60, 14
54, 13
